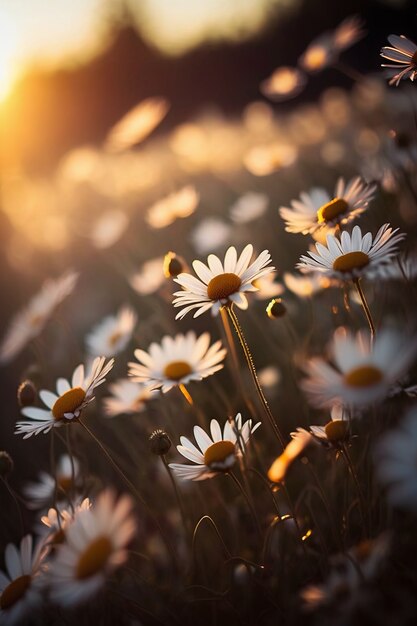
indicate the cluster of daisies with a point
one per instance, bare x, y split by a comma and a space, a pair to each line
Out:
82, 540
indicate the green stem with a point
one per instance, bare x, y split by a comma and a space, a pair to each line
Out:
365, 307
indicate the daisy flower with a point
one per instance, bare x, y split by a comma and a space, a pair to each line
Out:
149, 278
267, 287
69, 401
95, 544
29, 323
215, 454
19, 593
350, 31
305, 286
177, 361
56, 521
127, 397
283, 84
353, 256
334, 432
112, 334
395, 458
317, 209
249, 207
179, 204
39, 494
211, 233
403, 53
219, 284
363, 372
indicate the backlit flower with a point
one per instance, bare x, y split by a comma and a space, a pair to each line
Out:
30, 322
249, 207
361, 372
179, 204
112, 334
219, 284
216, 453
127, 397
317, 208
177, 361
353, 256
68, 402
95, 545
40, 494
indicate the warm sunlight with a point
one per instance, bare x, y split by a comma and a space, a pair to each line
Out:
9, 43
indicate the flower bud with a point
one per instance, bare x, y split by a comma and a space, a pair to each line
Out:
276, 308
159, 442
337, 431
26, 393
173, 265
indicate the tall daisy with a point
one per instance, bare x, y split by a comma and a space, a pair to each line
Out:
177, 361
361, 372
220, 283
112, 334
403, 54
216, 453
353, 256
29, 323
318, 208
69, 401
95, 545
127, 397
19, 592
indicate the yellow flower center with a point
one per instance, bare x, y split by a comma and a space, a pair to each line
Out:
114, 338
177, 370
315, 58
363, 376
218, 452
14, 592
65, 483
331, 210
94, 558
222, 286
68, 402
350, 261
336, 430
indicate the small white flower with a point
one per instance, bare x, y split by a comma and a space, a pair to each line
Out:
19, 592
108, 229
218, 284
95, 544
249, 207
56, 521
395, 457
177, 361
67, 403
334, 432
127, 397
214, 454
267, 287
112, 334
149, 278
403, 53
39, 494
353, 256
210, 234
136, 124
317, 208
30, 322
348, 32
363, 373
305, 286
180, 204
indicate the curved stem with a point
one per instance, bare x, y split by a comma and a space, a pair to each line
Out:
177, 494
365, 307
248, 502
252, 369
361, 497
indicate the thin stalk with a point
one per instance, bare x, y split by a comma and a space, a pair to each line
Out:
216, 530
365, 307
248, 502
327, 507
19, 510
252, 370
355, 478
177, 493
53, 472
72, 487
134, 490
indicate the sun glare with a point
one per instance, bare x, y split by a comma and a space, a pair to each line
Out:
9, 44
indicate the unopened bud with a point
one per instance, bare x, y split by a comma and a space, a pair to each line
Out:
337, 431
159, 442
26, 393
173, 265
276, 308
